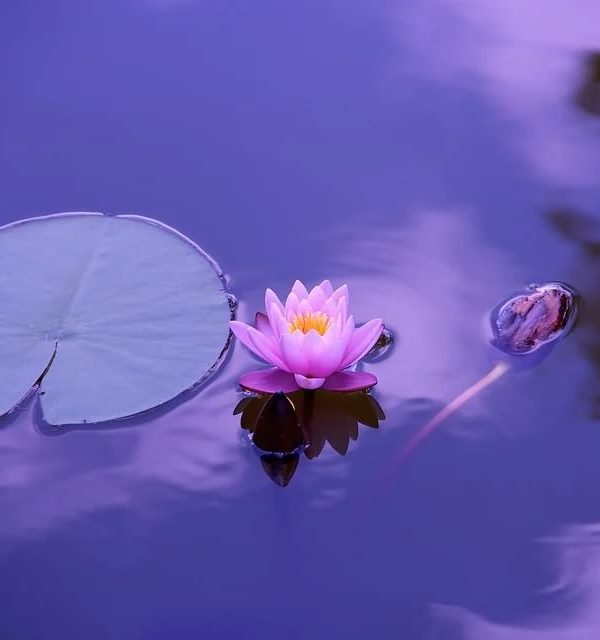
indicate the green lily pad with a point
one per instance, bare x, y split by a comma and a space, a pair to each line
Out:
119, 314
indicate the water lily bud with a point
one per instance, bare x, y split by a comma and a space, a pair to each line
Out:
527, 322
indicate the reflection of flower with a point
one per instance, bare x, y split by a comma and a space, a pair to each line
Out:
311, 340
282, 426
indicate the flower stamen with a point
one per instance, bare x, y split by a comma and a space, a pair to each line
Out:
304, 322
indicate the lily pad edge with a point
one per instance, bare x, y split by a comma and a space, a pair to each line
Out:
36, 389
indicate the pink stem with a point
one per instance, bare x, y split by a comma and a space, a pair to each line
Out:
452, 407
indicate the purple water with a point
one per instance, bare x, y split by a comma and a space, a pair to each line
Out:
435, 155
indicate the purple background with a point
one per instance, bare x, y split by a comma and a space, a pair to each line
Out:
417, 150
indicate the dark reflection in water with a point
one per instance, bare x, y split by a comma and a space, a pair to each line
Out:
583, 231
283, 426
588, 94
382, 348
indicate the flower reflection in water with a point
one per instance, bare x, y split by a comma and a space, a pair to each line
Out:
281, 426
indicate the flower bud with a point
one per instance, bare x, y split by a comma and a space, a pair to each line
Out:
526, 322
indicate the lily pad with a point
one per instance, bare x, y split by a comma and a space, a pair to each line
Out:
117, 314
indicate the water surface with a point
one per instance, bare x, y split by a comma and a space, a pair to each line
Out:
433, 154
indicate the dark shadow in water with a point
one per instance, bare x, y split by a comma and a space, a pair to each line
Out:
584, 231
283, 426
587, 96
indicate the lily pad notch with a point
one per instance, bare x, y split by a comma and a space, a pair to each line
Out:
109, 316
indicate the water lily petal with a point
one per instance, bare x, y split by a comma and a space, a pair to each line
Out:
341, 292
278, 322
269, 381
341, 310
325, 352
326, 288
308, 383
323, 356
240, 331
272, 303
294, 354
300, 290
336, 309
347, 331
258, 343
291, 306
262, 323
304, 307
272, 298
333, 332
267, 348
317, 298
362, 341
350, 381
330, 308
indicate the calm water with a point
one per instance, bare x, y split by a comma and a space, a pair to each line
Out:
436, 155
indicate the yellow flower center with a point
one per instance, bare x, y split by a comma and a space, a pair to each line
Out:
319, 321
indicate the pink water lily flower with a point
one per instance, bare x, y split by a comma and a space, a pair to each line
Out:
311, 341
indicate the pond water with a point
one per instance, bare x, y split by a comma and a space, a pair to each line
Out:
436, 155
